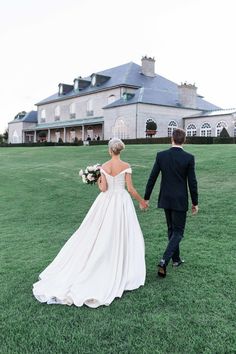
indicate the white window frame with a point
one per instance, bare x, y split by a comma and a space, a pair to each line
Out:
89, 110
191, 130
57, 112
72, 110
120, 129
205, 129
171, 127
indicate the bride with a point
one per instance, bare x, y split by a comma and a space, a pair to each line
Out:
105, 256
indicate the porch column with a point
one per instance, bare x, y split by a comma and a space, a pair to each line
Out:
64, 135
82, 132
35, 136
49, 135
23, 136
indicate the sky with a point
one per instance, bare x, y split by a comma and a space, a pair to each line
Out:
47, 42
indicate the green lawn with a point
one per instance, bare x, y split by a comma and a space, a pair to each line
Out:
192, 310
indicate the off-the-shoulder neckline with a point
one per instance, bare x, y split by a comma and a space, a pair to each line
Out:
128, 168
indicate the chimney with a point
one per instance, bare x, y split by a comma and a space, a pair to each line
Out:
187, 95
148, 66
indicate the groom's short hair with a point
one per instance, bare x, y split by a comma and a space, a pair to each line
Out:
179, 136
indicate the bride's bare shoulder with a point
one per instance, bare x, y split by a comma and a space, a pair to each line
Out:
106, 166
125, 164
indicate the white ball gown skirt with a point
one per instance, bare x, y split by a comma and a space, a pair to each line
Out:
103, 258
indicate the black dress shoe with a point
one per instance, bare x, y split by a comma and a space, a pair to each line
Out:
161, 272
178, 263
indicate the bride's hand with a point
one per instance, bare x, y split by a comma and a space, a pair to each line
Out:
143, 205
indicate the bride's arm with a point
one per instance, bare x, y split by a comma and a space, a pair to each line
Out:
102, 183
132, 190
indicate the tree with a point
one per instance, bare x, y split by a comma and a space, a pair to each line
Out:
5, 135
151, 128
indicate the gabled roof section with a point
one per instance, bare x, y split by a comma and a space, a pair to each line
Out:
30, 117
153, 90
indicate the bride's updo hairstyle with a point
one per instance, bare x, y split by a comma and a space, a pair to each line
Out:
116, 145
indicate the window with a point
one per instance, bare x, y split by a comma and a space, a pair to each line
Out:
171, 127
43, 116
205, 130
191, 130
72, 135
219, 127
58, 135
72, 111
234, 129
57, 113
111, 99
89, 111
120, 129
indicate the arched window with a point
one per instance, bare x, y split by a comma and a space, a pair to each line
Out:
219, 127
205, 129
89, 112
43, 116
72, 110
171, 127
111, 99
191, 130
57, 113
120, 129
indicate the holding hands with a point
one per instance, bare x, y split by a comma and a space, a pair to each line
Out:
144, 204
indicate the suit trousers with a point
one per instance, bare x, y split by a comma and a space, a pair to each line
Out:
175, 225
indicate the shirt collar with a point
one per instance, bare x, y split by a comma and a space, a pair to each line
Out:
177, 146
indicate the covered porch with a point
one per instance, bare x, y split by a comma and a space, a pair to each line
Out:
66, 132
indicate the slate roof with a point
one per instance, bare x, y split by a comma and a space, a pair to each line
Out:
30, 117
152, 90
159, 97
218, 112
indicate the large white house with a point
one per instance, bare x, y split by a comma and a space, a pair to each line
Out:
119, 102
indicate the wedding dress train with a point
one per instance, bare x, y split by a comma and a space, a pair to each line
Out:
103, 258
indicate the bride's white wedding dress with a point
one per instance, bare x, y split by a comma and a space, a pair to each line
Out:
103, 258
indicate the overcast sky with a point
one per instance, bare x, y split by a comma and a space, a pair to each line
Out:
45, 42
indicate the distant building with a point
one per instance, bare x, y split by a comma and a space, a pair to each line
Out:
119, 102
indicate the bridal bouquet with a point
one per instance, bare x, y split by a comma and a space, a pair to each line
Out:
91, 174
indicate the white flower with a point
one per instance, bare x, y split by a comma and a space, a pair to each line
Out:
86, 170
81, 172
90, 168
90, 177
84, 179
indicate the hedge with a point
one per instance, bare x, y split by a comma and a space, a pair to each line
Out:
165, 140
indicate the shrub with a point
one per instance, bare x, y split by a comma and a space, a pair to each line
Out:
224, 133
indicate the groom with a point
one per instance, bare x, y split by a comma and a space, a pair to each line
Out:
177, 171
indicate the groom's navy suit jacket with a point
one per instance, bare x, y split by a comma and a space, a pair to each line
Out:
177, 174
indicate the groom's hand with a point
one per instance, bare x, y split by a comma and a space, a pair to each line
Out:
194, 209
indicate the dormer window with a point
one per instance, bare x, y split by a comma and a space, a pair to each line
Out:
64, 89
60, 89
93, 80
98, 79
76, 85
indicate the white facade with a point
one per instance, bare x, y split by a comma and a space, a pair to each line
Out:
119, 102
